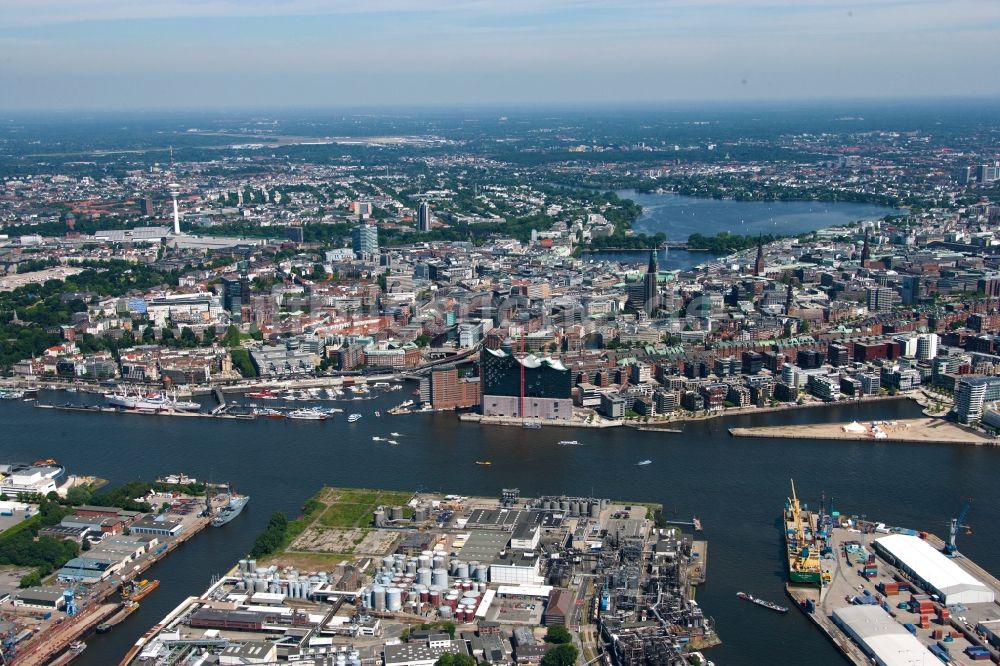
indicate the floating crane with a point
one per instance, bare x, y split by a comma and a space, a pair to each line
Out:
956, 524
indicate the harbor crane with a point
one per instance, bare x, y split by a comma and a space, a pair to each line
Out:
955, 525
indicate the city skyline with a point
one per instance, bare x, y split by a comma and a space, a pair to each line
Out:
188, 55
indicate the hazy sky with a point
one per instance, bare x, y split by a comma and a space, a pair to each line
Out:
211, 53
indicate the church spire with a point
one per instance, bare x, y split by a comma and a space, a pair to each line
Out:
653, 268
865, 250
758, 266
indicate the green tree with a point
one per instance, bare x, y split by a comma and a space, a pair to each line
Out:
561, 655
232, 337
558, 634
449, 659
78, 495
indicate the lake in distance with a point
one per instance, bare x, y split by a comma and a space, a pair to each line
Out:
678, 216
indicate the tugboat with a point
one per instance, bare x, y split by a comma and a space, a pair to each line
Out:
138, 590
760, 602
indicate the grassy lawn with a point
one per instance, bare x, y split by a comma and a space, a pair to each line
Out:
346, 515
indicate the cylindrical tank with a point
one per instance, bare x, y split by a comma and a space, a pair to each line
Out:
420, 514
393, 599
378, 518
411, 565
425, 596
451, 599
424, 561
424, 576
251, 566
564, 506
444, 611
462, 570
595, 510
438, 562
260, 585
387, 562
466, 585
396, 512
453, 566
460, 614
439, 577
378, 598
243, 566
434, 597
482, 573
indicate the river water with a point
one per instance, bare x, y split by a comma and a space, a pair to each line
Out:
736, 486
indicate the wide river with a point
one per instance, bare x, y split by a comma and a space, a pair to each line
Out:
736, 486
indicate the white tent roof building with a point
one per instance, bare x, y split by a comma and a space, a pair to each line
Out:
933, 571
882, 638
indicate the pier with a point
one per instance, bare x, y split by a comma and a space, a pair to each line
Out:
910, 431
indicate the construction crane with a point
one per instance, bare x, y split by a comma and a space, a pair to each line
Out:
955, 525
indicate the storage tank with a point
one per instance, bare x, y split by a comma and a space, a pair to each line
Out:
434, 597
396, 512
424, 561
251, 566
420, 514
378, 519
445, 612
411, 565
424, 576
482, 573
439, 577
378, 598
462, 570
438, 562
387, 562
595, 510
260, 585
425, 596
394, 599
243, 566
564, 506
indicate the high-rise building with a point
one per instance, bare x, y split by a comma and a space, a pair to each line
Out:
547, 386
146, 206
365, 240
424, 217
969, 397
879, 299
449, 391
927, 346
235, 294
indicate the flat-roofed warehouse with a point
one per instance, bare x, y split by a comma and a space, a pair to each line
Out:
933, 571
881, 637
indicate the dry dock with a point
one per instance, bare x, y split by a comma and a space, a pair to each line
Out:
914, 431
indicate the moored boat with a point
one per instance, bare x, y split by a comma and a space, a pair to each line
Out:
761, 602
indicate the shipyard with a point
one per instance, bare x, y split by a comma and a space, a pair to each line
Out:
889, 595
397, 578
92, 578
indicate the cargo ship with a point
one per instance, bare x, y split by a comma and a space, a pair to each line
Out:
136, 591
232, 509
760, 602
803, 543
